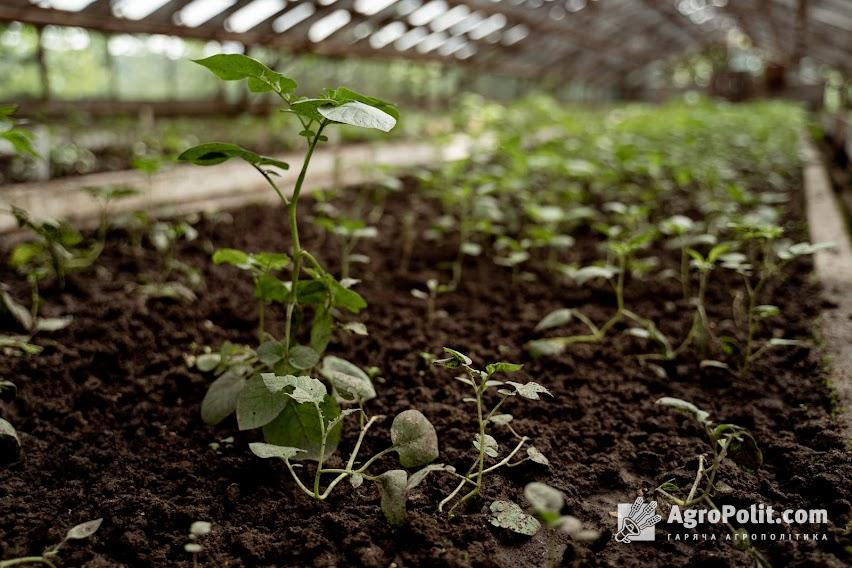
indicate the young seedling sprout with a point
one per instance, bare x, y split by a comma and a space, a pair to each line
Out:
481, 382
430, 296
197, 530
623, 250
725, 440
349, 232
546, 504
262, 266
767, 260
104, 196
48, 557
307, 401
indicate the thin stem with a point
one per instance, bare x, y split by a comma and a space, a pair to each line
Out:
294, 238
324, 433
26, 560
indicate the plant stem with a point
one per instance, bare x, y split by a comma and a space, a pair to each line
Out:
294, 237
26, 560
480, 461
324, 433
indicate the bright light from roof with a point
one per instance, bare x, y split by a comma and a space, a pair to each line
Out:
67, 5
431, 42
575, 5
405, 7
196, 13
450, 18
326, 26
370, 7
467, 24
135, 10
410, 39
292, 17
488, 26
515, 34
451, 45
252, 14
427, 13
467, 51
388, 34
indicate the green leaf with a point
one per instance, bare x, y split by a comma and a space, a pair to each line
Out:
17, 311
501, 419
349, 380
345, 95
305, 389
84, 530
270, 260
356, 113
311, 292
455, 360
10, 444
303, 357
308, 108
393, 487
270, 352
271, 289
298, 426
213, 153
529, 390
546, 347
346, 298
234, 67
231, 256
686, 407
544, 499
21, 141
257, 406
508, 515
418, 476
556, 318
414, 438
503, 367
489, 447
206, 362
321, 329
52, 324
267, 451
221, 398
536, 456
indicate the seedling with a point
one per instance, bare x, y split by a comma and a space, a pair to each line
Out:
320, 291
726, 441
164, 236
57, 251
29, 320
48, 557
307, 402
104, 196
546, 504
623, 250
513, 254
433, 290
481, 382
766, 261
684, 235
349, 232
197, 530
267, 287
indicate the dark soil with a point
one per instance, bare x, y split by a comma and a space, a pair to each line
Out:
109, 418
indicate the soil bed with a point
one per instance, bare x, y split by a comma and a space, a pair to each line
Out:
109, 417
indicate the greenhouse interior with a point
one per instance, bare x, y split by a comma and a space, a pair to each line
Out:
425, 283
